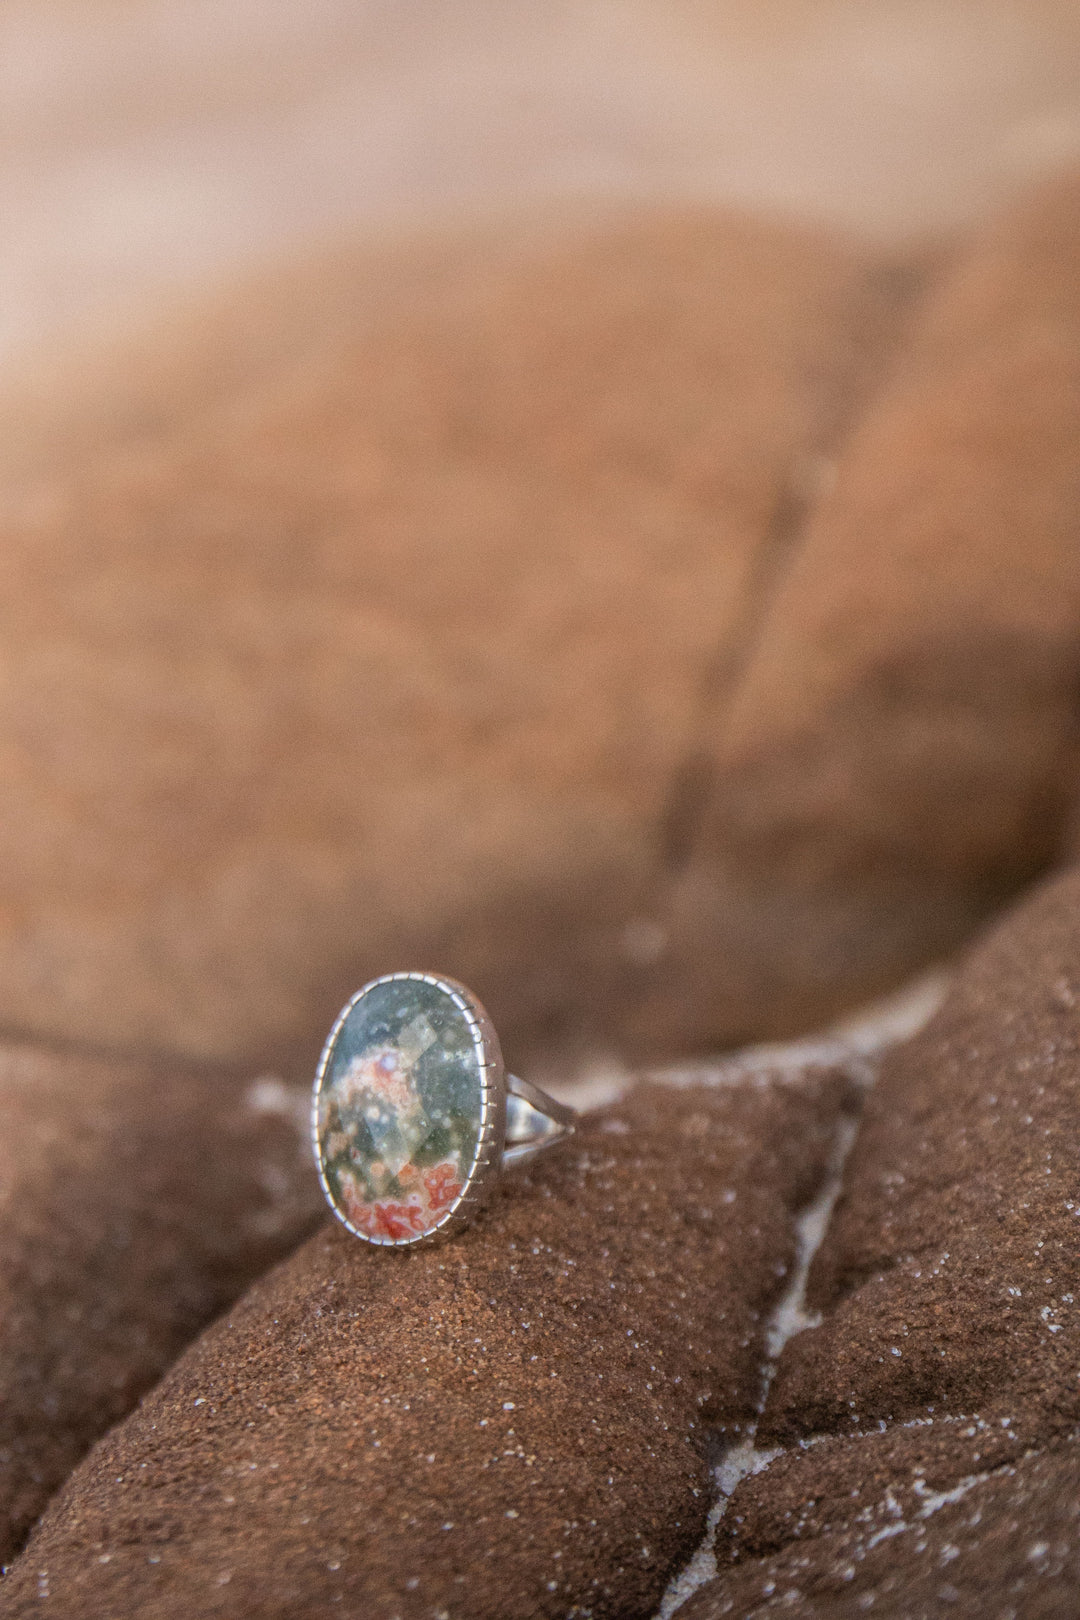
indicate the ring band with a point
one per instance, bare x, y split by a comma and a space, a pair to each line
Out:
414, 1117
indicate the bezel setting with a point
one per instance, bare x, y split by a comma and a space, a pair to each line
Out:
486, 1167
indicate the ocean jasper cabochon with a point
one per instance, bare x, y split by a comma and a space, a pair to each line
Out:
399, 1109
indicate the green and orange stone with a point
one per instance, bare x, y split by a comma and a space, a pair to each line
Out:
413, 1114
404, 1106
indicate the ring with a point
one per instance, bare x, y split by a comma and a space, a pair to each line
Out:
414, 1117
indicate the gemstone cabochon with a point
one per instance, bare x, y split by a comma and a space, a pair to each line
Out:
399, 1109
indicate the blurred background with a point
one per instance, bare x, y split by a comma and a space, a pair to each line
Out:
146, 145
417, 442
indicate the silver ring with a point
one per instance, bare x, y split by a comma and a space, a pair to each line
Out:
413, 1115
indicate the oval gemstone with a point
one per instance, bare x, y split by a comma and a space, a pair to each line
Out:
399, 1109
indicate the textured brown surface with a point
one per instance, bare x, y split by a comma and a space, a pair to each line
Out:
510, 1425
363, 622
1004, 1543
956, 1239
902, 750
945, 1367
135, 1203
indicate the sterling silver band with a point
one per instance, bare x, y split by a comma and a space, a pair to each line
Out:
534, 1121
